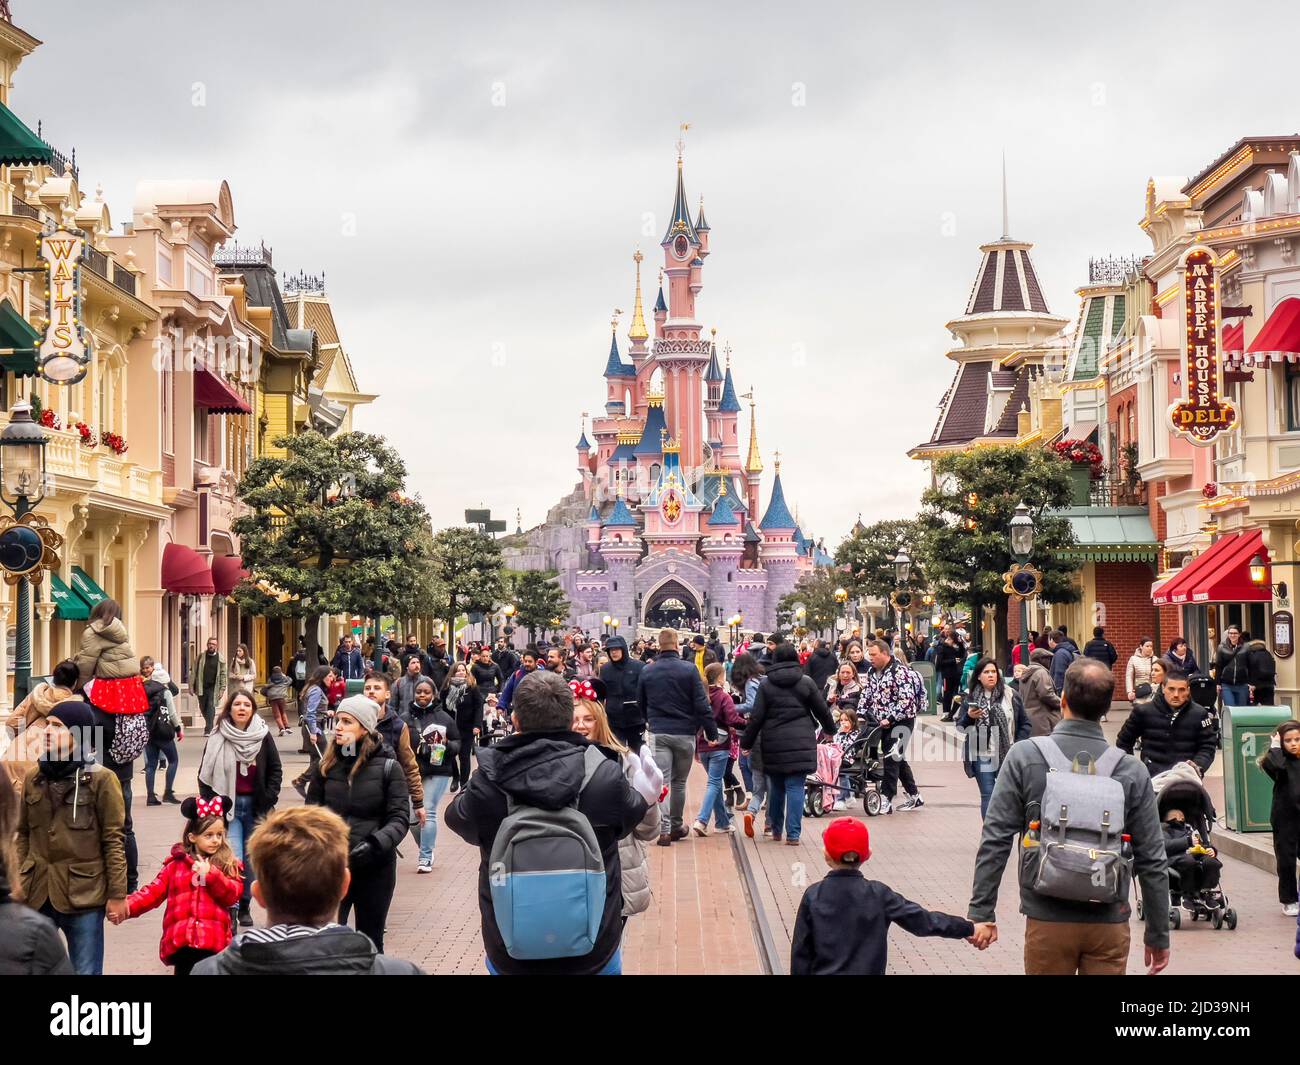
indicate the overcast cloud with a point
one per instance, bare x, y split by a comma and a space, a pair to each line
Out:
848, 154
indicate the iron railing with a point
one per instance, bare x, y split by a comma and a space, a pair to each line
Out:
96, 260
25, 209
1115, 492
123, 278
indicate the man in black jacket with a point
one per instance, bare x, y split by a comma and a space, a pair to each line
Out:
543, 765
1172, 728
1100, 648
821, 664
487, 674
301, 858
621, 674
671, 698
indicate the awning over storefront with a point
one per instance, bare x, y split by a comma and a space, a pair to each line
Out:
184, 572
19, 146
69, 606
212, 392
1219, 575
18, 341
1110, 534
227, 571
1234, 338
1280, 337
91, 592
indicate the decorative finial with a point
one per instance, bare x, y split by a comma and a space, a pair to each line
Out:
776, 456
637, 257
1006, 229
638, 332
613, 322
726, 350
681, 140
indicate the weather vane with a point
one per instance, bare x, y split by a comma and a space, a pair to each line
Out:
681, 139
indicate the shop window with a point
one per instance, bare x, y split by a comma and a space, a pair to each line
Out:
1292, 397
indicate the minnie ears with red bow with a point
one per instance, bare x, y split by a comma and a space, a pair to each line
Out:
593, 689
218, 806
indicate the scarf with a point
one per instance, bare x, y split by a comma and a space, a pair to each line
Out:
455, 692
230, 751
995, 716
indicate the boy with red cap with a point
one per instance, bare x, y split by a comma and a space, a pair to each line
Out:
842, 928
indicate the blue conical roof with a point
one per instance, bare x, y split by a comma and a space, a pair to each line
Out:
680, 222
714, 372
616, 367
722, 513
582, 442
594, 515
651, 443
620, 517
701, 225
660, 305
800, 544
778, 515
729, 404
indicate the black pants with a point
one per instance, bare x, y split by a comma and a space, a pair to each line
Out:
186, 958
1264, 695
632, 738
951, 683
729, 777
371, 893
896, 768
465, 759
1195, 872
207, 703
1286, 837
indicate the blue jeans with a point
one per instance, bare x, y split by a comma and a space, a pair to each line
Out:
746, 773
986, 775
84, 932
434, 789
715, 764
151, 755
241, 827
785, 803
613, 967
1235, 694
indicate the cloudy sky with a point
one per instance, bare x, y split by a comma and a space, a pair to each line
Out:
474, 180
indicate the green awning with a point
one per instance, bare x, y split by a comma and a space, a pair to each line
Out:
69, 605
87, 589
18, 341
1110, 534
19, 146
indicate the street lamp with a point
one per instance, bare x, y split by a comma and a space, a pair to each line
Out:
1021, 534
605, 621
22, 488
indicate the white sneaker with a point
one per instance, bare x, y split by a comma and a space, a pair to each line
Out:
885, 806
700, 828
424, 867
1291, 909
727, 830
838, 806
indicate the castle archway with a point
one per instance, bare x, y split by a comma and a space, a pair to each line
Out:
672, 606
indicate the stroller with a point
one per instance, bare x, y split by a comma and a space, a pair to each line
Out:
1208, 903
862, 778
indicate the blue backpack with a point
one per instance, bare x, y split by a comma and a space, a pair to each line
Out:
547, 878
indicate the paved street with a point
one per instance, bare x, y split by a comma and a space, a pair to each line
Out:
700, 920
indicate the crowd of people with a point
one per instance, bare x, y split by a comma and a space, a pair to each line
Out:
565, 764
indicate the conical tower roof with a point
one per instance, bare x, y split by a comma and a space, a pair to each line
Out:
680, 221
1006, 280
778, 516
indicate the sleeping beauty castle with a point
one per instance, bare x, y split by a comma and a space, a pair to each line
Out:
666, 525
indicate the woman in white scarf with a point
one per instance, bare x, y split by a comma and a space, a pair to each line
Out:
240, 760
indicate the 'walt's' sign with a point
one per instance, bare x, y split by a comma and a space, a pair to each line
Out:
1203, 414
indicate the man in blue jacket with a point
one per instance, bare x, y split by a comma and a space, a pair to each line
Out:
348, 663
1064, 651
670, 697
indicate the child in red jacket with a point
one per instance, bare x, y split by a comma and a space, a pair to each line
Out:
201, 881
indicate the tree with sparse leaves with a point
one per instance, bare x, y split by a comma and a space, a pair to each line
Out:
538, 599
329, 531
966, 544
468, 571
866, 557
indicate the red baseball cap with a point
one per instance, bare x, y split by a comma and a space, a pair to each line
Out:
847, 835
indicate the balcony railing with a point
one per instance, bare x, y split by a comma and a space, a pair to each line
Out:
96, 260
26, 210
1114, 492
123, 278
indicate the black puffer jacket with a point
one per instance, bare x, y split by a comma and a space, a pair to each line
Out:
620, 679
821, 666
374, 802
784, 712
671, 696
29, 943
1262, 667
1169, 737
469, 711
421, 718
1284, 770
545, 769
1232, 665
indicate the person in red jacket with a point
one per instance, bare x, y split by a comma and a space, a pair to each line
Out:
200, 881
714, 757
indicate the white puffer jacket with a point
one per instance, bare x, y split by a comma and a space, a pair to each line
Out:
632, 858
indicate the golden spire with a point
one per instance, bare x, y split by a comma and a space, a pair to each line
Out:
753, 464
638, 330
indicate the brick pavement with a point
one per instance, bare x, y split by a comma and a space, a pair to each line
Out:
928, 855
697, 923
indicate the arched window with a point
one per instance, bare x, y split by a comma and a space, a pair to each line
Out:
627, 401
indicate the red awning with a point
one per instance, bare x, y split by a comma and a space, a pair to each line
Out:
1219, 575
227, 571
184, 572
212, 392
1234, 337
1280, 337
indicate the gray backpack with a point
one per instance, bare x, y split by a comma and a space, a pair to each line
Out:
547, 877
1081, 854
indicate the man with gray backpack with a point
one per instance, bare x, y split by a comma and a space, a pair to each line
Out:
1085, 817
546, 809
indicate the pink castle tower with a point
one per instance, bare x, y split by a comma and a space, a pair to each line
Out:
680, 354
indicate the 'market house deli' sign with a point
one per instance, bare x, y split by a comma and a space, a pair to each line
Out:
1203, 414
64, 353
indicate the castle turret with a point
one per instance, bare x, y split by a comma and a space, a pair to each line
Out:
722, 547
778, 551
620, 547
753, 464
661, 308
727, 416
593, 528
620, 376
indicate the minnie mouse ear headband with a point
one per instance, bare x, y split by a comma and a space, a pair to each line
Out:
218, 806
593, 689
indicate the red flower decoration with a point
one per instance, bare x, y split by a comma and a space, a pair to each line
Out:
1210, 490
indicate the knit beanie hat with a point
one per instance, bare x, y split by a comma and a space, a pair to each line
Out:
363, 709
74, 713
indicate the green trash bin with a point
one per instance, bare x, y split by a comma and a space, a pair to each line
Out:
1247, 791
926, 670
353, 687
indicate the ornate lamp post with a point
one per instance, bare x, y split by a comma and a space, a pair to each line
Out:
22, 488
605, 621
842, 598
1021, 534
902, 574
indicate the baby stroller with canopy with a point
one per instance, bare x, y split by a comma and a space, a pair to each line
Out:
1193, 874
862, 777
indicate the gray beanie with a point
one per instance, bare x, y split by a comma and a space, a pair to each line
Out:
364, 709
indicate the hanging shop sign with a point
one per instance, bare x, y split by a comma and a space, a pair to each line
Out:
65, 349
1202, 414
28, 547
